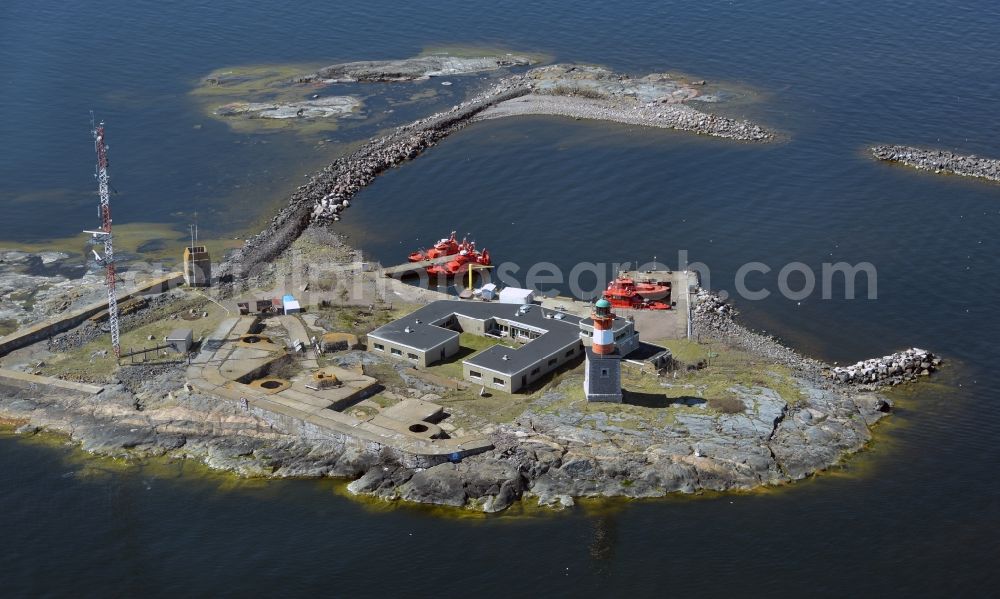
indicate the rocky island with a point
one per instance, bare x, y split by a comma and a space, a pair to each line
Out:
288, 394
734, 411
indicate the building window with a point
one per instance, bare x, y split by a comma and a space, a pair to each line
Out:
395, 351
605, 373
570, 352
379, 347
498, 381
535, 371
475, 375
411, 356
553, 361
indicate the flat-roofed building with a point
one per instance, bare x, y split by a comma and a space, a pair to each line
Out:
531, 341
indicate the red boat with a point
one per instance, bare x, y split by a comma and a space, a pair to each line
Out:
463, 261
626, 293
445, 247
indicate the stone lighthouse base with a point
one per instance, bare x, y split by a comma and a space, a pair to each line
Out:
602, 380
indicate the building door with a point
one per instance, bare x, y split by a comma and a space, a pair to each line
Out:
524, 380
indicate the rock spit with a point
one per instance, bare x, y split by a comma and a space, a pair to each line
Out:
940, 161
900, 367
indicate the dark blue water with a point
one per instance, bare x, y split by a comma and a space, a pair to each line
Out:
916, 515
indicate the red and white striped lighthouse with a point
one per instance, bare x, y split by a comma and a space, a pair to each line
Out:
604, 339
602, 377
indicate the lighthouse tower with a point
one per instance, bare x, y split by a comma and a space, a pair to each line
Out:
603, 376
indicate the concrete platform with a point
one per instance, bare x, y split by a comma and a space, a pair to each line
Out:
414, 410
315, 412
651, 324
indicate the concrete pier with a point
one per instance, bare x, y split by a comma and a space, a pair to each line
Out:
413, 268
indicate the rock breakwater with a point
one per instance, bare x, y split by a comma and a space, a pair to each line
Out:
330, 191
894, 369
940, 161
714, 317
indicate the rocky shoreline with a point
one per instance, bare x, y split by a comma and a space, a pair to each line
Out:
940, 161
552, 453
714, 317
412, 69
330, 106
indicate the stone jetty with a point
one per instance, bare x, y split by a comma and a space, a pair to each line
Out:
940, 161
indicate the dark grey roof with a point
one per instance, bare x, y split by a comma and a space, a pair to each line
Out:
418, 335
559, 334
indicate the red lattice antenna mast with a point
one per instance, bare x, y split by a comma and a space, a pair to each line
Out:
108, 261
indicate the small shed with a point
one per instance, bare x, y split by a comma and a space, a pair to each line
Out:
516, 295
290, 305
180, 340
489, 291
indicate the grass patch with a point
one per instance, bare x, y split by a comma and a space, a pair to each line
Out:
359, 320
726, 405
469, 345
685, 350
579, 92
726, 368
86, 364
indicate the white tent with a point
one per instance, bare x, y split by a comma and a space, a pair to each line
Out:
516, 295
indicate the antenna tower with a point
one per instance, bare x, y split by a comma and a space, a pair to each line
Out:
104, 234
